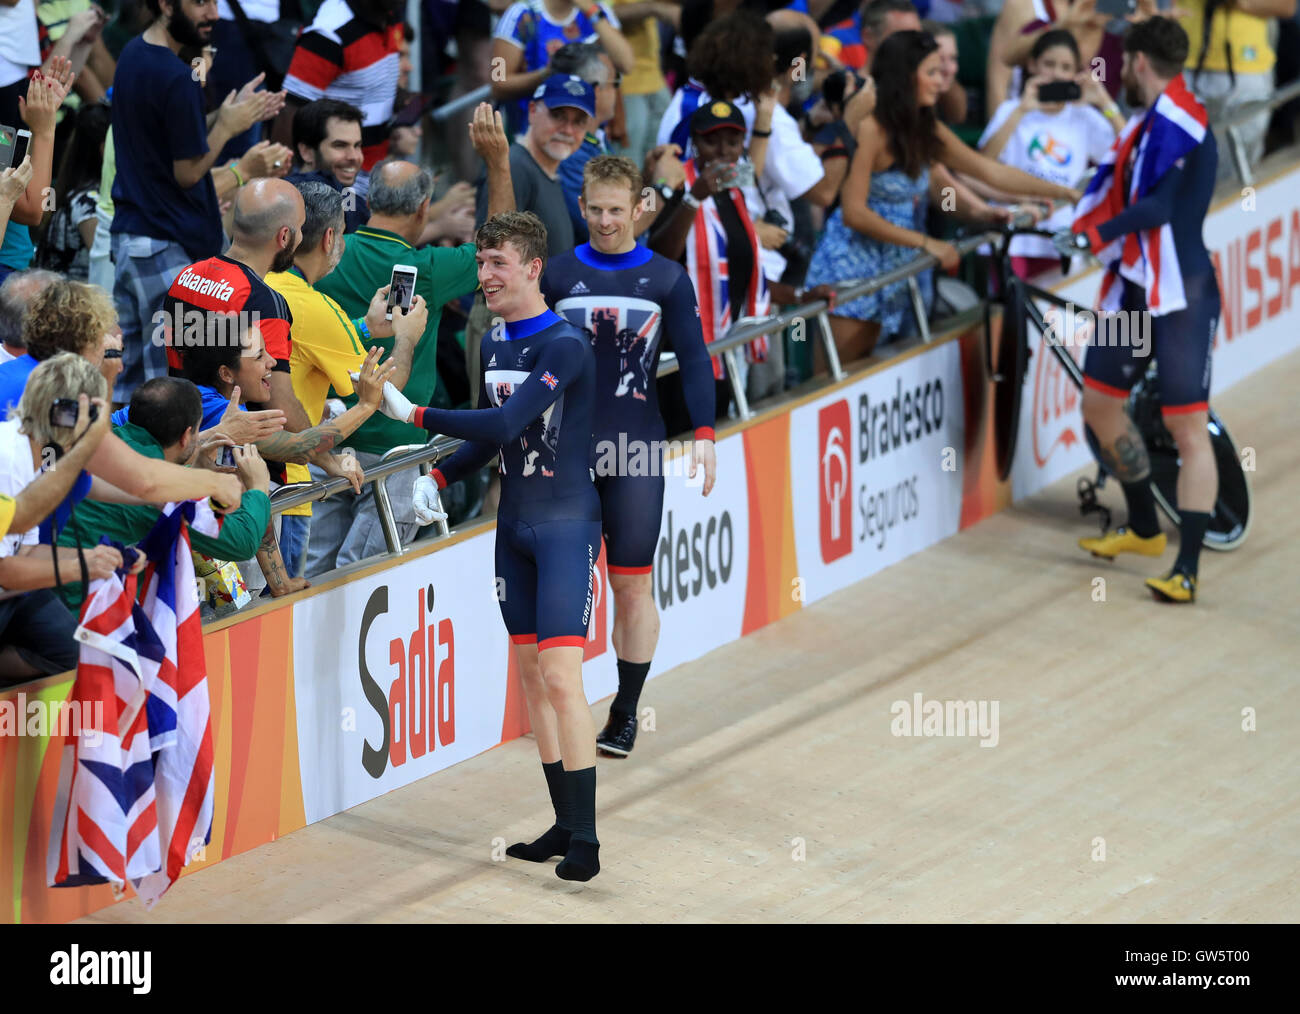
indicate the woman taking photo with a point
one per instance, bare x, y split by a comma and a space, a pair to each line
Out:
1055, 141
879, 225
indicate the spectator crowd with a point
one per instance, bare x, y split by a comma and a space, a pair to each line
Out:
202, 204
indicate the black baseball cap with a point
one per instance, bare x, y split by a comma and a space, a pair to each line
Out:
717, 115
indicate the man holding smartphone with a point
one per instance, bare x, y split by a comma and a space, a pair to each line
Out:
346, 528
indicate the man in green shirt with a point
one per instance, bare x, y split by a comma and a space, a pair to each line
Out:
156, 428
345, 527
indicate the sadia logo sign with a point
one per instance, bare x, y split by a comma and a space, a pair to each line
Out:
418, 709
836, 480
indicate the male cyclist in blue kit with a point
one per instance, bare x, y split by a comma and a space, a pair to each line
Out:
536, 405
1142, 216
628, 300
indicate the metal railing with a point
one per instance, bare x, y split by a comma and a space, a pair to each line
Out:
424, 456
1231, 127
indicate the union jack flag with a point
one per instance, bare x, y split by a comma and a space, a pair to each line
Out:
1174, 126
135, 805
550, 379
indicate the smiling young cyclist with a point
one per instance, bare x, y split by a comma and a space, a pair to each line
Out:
627, 299
536, 406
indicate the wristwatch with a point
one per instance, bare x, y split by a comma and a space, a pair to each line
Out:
689, 199
1081, 241
665, 191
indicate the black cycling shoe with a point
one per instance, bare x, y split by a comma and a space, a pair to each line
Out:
618, 736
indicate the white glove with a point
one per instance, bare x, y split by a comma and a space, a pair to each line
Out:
427, 503
395, 404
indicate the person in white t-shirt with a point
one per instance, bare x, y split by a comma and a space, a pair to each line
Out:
1055, 141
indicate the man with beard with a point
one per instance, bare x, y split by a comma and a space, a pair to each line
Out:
327, 146
327, 345
166, 213
267, 226
1143, 216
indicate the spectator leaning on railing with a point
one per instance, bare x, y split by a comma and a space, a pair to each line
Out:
327, 346
36, 628
164, 420
1231, 65
881, 219
72, 316
29, 506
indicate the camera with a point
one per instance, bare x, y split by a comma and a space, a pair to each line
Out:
63, 413
797, 255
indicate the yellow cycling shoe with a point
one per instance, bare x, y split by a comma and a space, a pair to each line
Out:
1175, 587
1121, 540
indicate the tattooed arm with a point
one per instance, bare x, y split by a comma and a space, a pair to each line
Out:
304, 447
269, 559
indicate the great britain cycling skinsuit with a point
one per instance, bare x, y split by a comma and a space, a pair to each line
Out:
536, 403
626, 303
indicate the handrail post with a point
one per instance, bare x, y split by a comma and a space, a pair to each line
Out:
384, 507
918, 309
737, 388
828, 344
1238, 149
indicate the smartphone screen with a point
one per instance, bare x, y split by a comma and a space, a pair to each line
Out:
401, 289
1059, 91
226, 459
1116, 8
7, 140
22, 141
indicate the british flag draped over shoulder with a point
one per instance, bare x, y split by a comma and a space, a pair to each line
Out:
707, 265
1156, 142
135, 799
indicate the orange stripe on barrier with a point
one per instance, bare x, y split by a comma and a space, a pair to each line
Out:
514, 720
773, 565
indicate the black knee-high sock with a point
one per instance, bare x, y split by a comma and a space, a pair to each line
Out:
631, 678
582, 796
1141, 508
1192, 530
555, 842
582, 860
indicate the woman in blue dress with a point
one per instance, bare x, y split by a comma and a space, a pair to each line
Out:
880, 224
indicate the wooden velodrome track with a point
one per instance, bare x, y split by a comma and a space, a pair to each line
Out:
1118, 721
